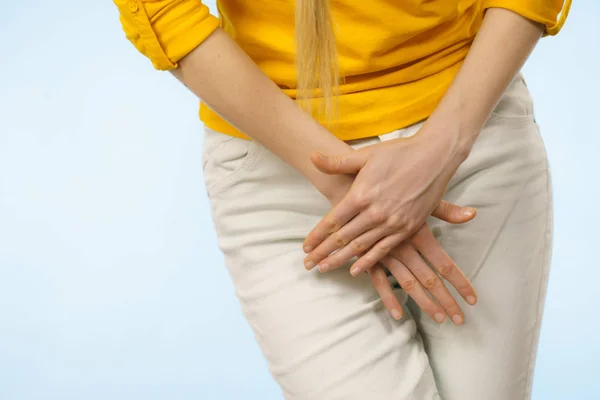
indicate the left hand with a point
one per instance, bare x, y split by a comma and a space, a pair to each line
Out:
398, 185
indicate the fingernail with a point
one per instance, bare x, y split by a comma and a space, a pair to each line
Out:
396, 314
323, 267
307, 249
457, 319
309, 264
471, 300
322, 156
354, 271
439, 317
467, 212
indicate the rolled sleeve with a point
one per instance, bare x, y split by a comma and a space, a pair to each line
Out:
165, 31
550, 13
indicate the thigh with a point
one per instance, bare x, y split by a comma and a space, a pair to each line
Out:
505, 251
325, 336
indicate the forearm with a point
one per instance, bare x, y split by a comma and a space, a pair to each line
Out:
231, 84
501, 47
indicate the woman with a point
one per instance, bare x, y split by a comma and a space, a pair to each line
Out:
305, 168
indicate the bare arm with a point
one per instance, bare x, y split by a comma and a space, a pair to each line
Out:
230, 83
413, 174
500, 49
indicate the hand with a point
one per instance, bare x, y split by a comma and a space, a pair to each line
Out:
409, 269
422, 283
398, 184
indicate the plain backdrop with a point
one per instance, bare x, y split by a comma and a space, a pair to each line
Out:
111, 282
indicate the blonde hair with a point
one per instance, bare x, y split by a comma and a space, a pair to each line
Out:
318, 74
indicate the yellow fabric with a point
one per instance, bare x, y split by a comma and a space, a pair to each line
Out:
397, 57
545, 12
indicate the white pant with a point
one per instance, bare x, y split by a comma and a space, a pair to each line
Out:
328, 336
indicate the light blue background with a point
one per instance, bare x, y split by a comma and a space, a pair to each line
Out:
111, 284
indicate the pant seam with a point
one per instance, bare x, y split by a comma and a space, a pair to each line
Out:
527, 390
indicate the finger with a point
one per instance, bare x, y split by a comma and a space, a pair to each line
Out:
430, 248
332, 222
430, 282
453, 213
340, 240
356, 247
381, 249
334, 165
383, 287
413, 288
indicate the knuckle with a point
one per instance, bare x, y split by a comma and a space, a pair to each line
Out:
336, 161
415, 225
340, 241
378, 216
431, 282
395, 221
332, 225
319, 255
369, 260
407, 284
358, 247
340, 162
361, 199
444, 208
447, 269
465, 287
385, 250
410, 225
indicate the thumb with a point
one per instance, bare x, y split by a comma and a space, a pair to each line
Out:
333, 165
454, 214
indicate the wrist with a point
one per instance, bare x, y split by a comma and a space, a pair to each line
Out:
334, 187
452, 134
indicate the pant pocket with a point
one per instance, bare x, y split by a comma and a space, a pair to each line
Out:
516, 101
224, 158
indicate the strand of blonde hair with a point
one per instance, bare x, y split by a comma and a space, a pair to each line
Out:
317, 66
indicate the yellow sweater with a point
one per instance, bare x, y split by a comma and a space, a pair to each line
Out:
397, 57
